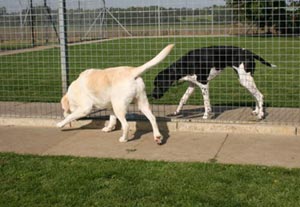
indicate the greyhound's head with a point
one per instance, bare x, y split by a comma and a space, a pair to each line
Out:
163, 81
159, 87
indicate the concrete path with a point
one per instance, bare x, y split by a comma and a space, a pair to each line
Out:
270, 150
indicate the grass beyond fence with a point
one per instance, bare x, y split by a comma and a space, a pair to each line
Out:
35, 76
68, 181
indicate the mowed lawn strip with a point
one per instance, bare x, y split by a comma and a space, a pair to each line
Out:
28, 180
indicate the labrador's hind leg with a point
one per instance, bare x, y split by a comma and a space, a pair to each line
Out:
120, 110
144, 106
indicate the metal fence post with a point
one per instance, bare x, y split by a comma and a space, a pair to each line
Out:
63, 41
32, 20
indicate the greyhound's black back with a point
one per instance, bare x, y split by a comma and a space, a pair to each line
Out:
200, 61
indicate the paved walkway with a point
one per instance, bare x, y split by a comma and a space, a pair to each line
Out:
270, 150
234, 137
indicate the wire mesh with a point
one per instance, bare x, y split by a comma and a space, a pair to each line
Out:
110, 33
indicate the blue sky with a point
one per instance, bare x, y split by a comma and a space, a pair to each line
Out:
17, 5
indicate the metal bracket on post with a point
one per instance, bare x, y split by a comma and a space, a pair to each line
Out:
63, 46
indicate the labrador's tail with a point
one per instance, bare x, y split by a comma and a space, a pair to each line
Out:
137, 71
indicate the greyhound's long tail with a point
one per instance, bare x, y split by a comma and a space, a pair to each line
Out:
257, 57
137, 71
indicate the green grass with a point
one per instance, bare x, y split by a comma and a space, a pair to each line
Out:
28, 180
11, 46
35, 76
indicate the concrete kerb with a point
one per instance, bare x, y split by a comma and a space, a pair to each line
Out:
172, 126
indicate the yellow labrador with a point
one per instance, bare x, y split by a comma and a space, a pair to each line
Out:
112, 88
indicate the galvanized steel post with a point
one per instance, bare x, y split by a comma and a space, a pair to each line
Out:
63, 41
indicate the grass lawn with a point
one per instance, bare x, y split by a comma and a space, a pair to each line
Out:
27, 180
35, 76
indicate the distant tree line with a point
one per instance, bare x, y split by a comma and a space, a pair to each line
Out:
277, 16
136, 16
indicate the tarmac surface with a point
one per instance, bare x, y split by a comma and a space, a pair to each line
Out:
255, 149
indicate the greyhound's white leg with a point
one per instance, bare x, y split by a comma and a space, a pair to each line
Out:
189, 91
247, 81
205, 93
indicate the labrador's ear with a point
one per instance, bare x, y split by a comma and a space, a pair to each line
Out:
65, 104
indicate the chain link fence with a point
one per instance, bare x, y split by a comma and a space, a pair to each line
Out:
40, 54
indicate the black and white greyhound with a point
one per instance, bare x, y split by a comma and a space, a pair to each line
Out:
202, 65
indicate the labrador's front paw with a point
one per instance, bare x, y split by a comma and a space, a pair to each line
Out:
108, 129
60, 124
123, 139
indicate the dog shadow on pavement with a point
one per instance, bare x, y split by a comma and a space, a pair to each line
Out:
144, 127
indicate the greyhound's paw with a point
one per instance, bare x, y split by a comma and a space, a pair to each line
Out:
174, 113
123, 139
205, 116
260, 116
108, 129
254, 113
158, 139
